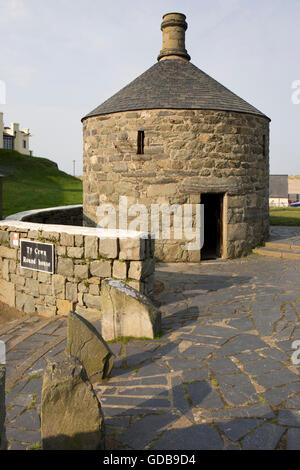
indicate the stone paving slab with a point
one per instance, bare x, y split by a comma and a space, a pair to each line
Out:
220, 376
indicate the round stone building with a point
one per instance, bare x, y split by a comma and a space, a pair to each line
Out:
176, 136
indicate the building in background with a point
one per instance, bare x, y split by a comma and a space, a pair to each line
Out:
13, 138
279, 191
294, 188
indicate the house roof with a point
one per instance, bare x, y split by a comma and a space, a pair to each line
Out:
279, 186
174, 84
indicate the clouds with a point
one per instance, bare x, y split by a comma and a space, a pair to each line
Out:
22, 76
11, 10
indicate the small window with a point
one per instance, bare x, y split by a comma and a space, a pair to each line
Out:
264, 146
24, 144
8, 142
140, 142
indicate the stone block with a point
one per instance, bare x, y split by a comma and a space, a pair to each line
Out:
94, 280
58, 286
65, 267
159, 190
81, 271
50, 300
7, 292
9, 253
71, 415
4, 236
64, 307
45, 289
29, 306
94, 289
126, 312
44, 277
20, 300
91, 247
18, 280
83, 287
12, 266
61, 250
237, 231
5, 269
86, 343
108, 248
32, 287
135, 270
101, 268
92, 301
75, 252
78, 240
46, 310
71, 291
90, 314
137, 285
132, 249
120, 269
34, 234
66, 239
24, 272
51, 236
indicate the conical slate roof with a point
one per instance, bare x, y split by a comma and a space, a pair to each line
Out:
174, 84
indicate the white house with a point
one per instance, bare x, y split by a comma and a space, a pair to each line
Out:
14, 138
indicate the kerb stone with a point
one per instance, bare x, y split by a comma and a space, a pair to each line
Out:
71, 416
86, 343
126, 312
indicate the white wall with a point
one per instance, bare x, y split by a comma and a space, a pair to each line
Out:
20, 136
278, 202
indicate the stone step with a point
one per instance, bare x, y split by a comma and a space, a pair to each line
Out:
277, 253
283, 246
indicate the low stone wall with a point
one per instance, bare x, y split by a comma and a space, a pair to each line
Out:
61, 215
83, 258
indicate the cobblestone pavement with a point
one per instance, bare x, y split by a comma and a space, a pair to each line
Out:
220, 376
286, 235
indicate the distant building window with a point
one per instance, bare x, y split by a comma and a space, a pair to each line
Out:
8, 142
140, 142
24, 144
264, 146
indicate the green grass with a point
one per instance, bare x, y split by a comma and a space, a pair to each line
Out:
35, 446
35, 183
289, 216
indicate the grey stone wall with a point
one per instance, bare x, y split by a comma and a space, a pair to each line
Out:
186, 153
83, 258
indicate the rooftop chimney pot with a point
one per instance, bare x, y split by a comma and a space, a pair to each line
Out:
174, 27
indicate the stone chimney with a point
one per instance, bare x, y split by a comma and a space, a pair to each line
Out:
174, 27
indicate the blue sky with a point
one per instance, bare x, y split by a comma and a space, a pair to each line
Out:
61, 59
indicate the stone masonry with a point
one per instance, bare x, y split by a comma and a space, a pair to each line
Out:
187, 152
197, 138
83, 258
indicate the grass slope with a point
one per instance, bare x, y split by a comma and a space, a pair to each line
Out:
35, 183
289, 216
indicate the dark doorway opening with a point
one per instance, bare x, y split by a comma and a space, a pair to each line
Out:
213, 226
